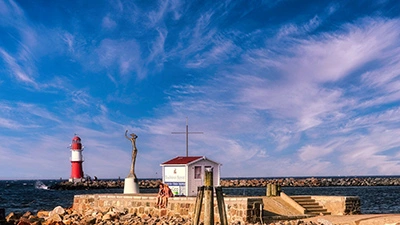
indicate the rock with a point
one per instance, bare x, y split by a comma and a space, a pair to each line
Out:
23, 221
67, 221
53, 223
27, 214
90, 220
107, 216
36, 223
90, 212
42, 214
11, 217
58, 210
126, 217
54, 218
120, 211
98, 216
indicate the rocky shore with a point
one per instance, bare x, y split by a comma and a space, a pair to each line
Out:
61, 216
256, 182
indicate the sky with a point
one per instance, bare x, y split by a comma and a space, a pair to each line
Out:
277, 88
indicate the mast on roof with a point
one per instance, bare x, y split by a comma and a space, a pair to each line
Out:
187, 136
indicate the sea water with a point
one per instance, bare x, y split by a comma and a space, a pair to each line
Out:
33, 195
374, 199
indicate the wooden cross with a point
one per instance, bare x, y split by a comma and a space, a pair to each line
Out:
187, 136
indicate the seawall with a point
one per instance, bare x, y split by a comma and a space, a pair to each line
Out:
144, 205
239, 209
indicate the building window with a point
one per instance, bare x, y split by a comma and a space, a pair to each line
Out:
197, 172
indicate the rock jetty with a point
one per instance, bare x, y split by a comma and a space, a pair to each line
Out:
245, 182
112, 216
312, 182
102, 184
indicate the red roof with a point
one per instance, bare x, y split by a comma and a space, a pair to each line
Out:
182, 160
76, 138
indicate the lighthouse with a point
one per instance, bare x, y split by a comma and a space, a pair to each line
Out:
76, 160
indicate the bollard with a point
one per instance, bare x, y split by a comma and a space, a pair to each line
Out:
268, 190
278, 190
208, 197
199, 202
221, 206
207, 191
273, 189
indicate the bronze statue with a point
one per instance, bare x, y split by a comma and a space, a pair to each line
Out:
134, 153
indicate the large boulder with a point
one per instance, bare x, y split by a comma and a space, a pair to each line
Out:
42, 214
54, 218
11, 217
57, 210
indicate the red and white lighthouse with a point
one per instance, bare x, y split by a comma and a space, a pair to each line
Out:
76, 160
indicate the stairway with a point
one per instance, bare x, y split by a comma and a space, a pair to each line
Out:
312, 207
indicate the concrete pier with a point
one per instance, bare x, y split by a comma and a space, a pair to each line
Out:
238, 209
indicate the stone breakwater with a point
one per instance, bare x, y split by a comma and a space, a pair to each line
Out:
313, 182
112, 216
237, 182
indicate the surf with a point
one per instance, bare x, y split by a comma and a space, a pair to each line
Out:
40, 185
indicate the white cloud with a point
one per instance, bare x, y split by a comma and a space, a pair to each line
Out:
337, 55
125, 55
291, 29
221, 51
16, 69
157, 15
7, 123
69, 39
108, 23
157, 56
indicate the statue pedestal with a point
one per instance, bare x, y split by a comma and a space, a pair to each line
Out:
131, 186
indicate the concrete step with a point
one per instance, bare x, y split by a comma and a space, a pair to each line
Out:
302, 198
312, 207
309, 203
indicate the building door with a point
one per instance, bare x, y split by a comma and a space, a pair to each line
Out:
197, 180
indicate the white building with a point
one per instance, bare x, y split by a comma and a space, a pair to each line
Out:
184, 174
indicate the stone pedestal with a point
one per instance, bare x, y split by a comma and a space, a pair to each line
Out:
131, 186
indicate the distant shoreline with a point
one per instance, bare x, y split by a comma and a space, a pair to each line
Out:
224, 178
245, 182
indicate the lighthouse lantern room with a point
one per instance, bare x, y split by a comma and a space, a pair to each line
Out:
76, 160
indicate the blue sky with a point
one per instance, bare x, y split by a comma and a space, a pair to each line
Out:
279, 88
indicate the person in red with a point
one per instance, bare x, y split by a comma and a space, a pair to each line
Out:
166, 194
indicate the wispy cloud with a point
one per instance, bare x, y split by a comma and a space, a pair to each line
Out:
315, 91
7, 123
16, 69
121, 56
289, 30
108, 23
156, 56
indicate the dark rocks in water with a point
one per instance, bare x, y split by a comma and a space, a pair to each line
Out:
66, 185
101, 184
243, 182
313, 182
